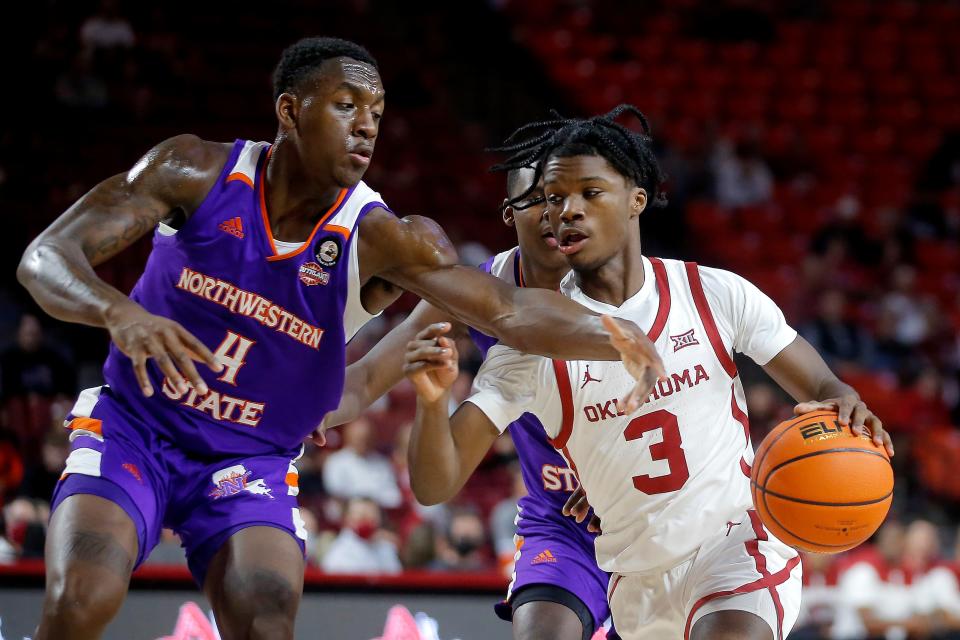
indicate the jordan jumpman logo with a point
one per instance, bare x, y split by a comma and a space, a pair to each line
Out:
588, 378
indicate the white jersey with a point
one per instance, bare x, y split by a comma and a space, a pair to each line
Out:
677, 470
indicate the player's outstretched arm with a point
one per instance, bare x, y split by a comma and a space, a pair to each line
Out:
443, 450
381, 368
57, 267
414, 253
802, 373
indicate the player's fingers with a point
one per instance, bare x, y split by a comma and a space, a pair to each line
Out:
185, 363
428, 352
857, 418
888, 444
814, 405
845, 408
880, 437
572, 500
158, 352
636, 397
594, 526
198, 350
433, 331
139, 360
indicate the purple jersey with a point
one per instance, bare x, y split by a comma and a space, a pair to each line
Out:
277, 320
548, 479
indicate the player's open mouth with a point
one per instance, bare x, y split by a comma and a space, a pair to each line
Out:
361, 155
571, 241
550, 239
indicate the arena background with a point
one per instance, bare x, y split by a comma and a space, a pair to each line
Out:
813, 147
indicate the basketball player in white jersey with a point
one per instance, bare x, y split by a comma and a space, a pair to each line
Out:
669, 479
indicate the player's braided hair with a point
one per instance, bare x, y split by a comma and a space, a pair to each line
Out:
629, 152
306, 55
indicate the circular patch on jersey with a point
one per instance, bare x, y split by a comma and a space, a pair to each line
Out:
327, 251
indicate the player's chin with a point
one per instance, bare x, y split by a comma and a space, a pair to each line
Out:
349, 175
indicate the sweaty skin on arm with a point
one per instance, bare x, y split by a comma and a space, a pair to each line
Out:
415, 254
57, 267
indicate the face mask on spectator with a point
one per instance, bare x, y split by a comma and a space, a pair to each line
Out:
465, 546
365, 530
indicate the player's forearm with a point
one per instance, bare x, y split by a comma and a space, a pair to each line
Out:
64, 284
547, 324
432, 456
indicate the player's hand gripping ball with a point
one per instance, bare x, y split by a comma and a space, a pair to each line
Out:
820, 487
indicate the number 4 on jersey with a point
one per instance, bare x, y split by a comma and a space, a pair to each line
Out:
231, 354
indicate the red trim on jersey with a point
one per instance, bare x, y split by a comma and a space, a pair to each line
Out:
566, 403
767, 580
706, 317
738, 413
744, 467
663, 289
613, 589
770, 581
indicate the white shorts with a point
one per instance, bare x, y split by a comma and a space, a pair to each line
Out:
741, 567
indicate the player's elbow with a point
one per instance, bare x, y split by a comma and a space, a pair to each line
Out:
429, 492
30, 261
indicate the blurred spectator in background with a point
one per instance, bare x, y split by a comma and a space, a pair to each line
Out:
741, 174
27, 526
503, 523
79, 87
362, 546
359, 471
107, 29
41, 475
462, 548
11, 468
842, 342
31, 367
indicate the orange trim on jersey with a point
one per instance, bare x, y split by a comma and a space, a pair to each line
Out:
87, 424
338, 229
706, 318
266, 220
292, 480
566, 403
663, 289
240, 177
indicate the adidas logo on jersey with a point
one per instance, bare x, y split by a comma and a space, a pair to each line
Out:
233, 226
544, 556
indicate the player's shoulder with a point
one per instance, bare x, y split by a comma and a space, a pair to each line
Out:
190, 152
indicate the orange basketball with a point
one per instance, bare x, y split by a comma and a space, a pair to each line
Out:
818, 487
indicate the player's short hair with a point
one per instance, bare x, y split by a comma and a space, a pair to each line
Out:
305, 56
629, 152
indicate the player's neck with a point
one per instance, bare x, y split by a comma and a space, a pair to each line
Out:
540, 276
616, 280
294, 203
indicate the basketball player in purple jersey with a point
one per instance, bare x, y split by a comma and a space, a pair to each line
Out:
258, 273
557, 591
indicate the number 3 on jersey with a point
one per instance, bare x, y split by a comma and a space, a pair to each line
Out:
670, 448
231, 354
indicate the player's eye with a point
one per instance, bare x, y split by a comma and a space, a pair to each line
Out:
591, 193
344, 106
554, 199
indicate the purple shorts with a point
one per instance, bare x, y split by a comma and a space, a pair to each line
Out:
562, 557
118, 457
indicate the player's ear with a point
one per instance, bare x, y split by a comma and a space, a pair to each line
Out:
287, 108
638, 200
507, 212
